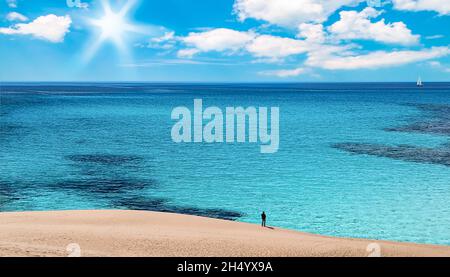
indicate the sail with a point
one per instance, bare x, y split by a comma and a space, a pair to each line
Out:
419, 82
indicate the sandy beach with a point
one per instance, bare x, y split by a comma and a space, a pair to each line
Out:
137, 233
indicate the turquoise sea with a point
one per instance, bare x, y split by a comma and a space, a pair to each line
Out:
355, 160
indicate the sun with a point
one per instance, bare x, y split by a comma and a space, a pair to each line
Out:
113, 26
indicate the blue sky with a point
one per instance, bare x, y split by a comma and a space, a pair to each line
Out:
225, 40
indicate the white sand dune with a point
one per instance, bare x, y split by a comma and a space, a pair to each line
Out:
136, 233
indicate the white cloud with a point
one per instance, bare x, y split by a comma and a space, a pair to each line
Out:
273, 47
440, 6
357, 25
434, 37
289, 13
166, 41
220, 40
174, 62
378, 59
439, 66
312, 32
12, 3
15, 16
77, 4
168, 36
434, 64
49, 27
188, 53
323, 47
284, 73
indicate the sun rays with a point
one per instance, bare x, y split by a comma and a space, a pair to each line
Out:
114, 27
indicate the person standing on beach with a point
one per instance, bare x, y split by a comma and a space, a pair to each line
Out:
263, 219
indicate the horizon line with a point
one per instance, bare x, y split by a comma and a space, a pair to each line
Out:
215, 82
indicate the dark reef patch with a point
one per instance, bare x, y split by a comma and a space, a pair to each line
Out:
408, 153
7, 194
439, 109
160, 205
105, 159
83, 123
107, 176
104, 186
110, 177
437, 121
13, 130
9, 128
435, 127
107, 166
434, 120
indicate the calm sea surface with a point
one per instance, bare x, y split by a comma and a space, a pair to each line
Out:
355, 160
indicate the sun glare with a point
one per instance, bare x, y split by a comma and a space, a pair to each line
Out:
113, 26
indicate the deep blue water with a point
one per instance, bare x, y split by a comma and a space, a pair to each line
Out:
355, 160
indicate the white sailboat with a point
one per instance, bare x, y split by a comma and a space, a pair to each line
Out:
419, 82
